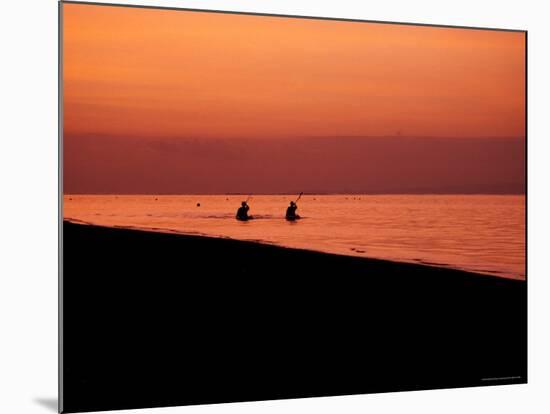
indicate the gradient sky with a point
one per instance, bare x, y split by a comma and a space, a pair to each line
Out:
138, 80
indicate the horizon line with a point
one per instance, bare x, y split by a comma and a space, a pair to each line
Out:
294, 193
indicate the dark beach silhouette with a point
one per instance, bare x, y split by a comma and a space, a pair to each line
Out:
155, 319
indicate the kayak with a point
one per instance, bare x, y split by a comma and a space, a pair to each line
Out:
244, 219
296, 217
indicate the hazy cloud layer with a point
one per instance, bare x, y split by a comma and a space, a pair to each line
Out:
117, 164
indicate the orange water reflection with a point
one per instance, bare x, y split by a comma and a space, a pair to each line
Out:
482, 233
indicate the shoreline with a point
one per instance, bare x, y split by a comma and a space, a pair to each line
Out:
268, 243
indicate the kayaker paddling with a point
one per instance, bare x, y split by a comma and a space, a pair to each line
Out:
291, 210
242, 212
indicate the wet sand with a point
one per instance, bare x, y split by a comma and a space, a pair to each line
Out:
153, 319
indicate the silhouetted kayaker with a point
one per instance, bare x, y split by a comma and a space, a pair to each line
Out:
242, 212
291, 212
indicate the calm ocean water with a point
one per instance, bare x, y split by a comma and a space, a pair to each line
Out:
481, 233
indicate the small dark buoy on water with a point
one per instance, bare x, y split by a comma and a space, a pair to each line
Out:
156, 199
198, 204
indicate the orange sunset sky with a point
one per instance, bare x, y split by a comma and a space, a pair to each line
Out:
141, 83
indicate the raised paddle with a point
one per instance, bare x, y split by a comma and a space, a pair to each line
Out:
300, 196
